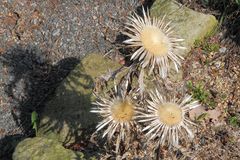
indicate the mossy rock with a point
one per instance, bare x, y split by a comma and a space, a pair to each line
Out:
67, 113
188, 24
40, 148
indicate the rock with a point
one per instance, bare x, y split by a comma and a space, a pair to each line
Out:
40, 148
188, 24
67, 113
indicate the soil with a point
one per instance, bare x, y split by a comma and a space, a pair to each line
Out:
218, 71
41, 42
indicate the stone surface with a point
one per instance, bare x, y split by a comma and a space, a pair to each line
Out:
40, 148
67, 113
188, 24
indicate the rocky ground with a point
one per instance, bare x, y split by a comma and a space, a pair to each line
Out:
41, 42
212, 73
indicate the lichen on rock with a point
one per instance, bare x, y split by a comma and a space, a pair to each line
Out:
40, 148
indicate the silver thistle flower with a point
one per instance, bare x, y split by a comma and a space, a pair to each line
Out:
166, 118
155, 41
118, 112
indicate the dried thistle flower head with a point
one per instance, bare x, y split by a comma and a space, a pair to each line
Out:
155, 41
166, 118
118, 112
122, 111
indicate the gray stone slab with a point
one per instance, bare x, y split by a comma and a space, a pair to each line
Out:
188, 24
40, 148
67, 113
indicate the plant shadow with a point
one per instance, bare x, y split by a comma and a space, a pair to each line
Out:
31, 82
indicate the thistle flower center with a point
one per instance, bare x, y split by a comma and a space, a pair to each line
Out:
170, 114
155, 41
123, 111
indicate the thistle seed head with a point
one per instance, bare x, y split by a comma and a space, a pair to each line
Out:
170, 114
155, 42
166, 118
118, 113
123, 111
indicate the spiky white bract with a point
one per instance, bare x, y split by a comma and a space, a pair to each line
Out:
118, 112
156, 43
166, 118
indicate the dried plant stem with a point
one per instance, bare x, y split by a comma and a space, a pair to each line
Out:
117, 144
158, 150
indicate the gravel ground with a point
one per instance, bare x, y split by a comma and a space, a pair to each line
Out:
64, 28
40, 42
215, 64
218, 72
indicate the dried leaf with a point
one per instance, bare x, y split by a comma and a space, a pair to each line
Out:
196, 112
201, 117
141, 81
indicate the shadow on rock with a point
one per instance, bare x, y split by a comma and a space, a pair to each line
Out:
28, 78
228, 13
66, 117
67, 113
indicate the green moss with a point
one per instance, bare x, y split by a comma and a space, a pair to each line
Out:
206, 46
234, 121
